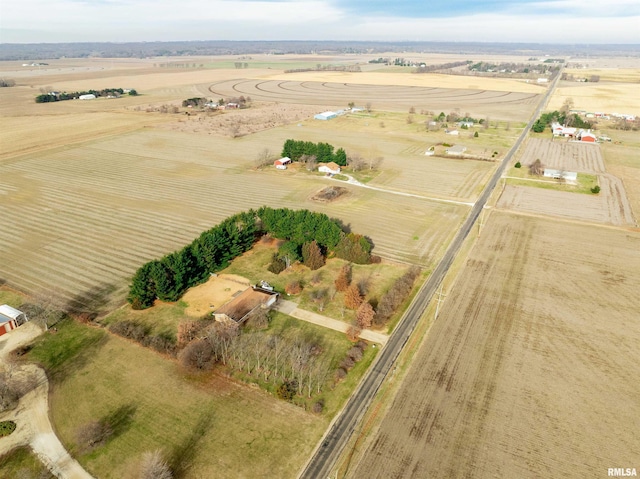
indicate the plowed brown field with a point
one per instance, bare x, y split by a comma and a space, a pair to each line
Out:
531, 369
609, 206
564, 155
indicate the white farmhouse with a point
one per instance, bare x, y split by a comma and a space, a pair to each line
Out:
330, 168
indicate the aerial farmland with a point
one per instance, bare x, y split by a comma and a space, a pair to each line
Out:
528, 370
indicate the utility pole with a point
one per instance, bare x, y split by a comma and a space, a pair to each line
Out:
439, 300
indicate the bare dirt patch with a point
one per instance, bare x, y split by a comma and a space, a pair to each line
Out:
530, 370
260, 116
330, 193
207, 297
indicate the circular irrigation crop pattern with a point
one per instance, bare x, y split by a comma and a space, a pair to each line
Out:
390, 96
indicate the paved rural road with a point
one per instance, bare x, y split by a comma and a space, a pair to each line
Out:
340, 430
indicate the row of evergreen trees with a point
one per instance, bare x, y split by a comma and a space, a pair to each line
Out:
323, 152
167, 278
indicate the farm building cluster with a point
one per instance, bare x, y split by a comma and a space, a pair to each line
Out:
10, 318
604, 116
330, 168
575, 133
330, 115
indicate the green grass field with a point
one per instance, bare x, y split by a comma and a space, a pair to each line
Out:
22, 463
11, 298
206, 424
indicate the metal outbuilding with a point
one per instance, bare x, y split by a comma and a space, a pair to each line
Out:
327, 115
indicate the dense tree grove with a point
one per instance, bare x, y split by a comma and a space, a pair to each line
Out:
54, 96
292, 362
194, 102
323, 152
167, 278
562, 117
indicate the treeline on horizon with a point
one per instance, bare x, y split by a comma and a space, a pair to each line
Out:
38, 51
169, 277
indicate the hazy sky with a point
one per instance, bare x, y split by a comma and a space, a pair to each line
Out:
563, 21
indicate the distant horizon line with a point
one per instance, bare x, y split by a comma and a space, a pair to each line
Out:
380, 42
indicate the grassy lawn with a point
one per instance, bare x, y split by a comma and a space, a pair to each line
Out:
22, 463
71, 344
12, 299
158, 405
206, 425
162, 318
523, 178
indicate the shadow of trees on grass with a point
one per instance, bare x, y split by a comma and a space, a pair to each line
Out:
182, 455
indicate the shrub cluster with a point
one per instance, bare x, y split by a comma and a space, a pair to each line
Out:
7, 427
354, 355
194, 102
395, 296
140, 334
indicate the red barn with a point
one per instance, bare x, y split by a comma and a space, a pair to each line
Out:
10, 318
587, 136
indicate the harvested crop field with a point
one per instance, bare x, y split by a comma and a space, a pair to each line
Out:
610, 206
509, 105
531, 369
84, 219
606, 97
564, 155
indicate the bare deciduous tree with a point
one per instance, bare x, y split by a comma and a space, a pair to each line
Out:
93, 434
536, 168
234, 129
375, 163
309, 161
153, 466
46, 309
353, 332
355, 162
264, 158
